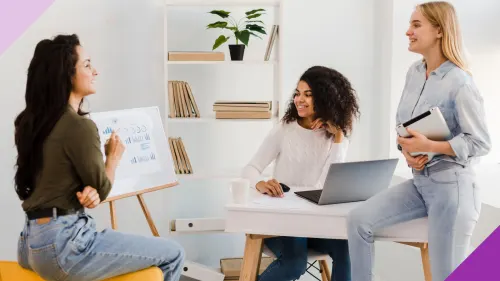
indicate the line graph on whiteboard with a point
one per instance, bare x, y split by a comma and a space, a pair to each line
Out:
135, 131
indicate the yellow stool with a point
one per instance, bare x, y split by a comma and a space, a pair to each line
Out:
11, 271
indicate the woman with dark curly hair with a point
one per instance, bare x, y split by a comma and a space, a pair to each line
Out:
310, 137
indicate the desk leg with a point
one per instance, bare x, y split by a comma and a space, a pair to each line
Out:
424, 252
251, 258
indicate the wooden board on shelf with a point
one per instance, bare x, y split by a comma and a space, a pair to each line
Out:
240, 108
265, 104
242, 115
195, 56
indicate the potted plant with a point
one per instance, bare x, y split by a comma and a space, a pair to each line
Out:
241, 30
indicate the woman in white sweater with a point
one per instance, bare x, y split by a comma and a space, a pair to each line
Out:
310, 137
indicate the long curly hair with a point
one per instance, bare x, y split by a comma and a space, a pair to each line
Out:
48, 89
334, 99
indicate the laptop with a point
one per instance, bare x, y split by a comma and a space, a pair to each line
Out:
352, 181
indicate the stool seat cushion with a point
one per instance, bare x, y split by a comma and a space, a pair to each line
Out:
11, 271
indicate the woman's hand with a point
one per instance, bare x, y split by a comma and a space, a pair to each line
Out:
89, 198
418, 162
332, 129
271, 187
114, 148
416, 143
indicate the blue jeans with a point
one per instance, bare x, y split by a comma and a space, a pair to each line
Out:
70, 248
291, 258
446, 193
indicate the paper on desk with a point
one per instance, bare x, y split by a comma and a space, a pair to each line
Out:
289, 201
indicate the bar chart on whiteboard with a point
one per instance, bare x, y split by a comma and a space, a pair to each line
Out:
135, 130
147, 163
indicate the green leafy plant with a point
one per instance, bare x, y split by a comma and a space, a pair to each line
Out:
242, 29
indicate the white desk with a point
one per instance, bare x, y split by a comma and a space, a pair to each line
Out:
260, 217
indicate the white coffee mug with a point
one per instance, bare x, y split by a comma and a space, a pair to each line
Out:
240, 189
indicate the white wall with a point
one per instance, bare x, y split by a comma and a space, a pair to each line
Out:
340, 35
383, 18
129, 56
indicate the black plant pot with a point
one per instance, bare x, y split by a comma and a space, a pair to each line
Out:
237, 51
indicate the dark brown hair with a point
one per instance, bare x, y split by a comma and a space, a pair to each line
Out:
48, 87
334, 99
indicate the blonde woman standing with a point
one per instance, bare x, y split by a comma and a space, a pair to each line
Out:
443, 188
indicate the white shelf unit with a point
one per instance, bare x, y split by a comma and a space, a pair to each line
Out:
210, 82
208, 116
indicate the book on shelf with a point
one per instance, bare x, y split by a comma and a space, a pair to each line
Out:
265, 104
242, 109
195, 56
181, 102
242, 115
242, 106
271, 42
182, 164
239, 108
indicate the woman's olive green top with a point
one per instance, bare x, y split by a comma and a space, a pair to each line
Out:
72, 159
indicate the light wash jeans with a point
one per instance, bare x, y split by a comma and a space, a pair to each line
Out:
446, 193
70, 248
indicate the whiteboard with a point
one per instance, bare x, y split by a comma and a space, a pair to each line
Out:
147, 163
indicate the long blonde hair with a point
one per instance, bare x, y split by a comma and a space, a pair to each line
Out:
442, 15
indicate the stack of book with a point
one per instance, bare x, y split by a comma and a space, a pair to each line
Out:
242, 109
179, 154
181, 100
